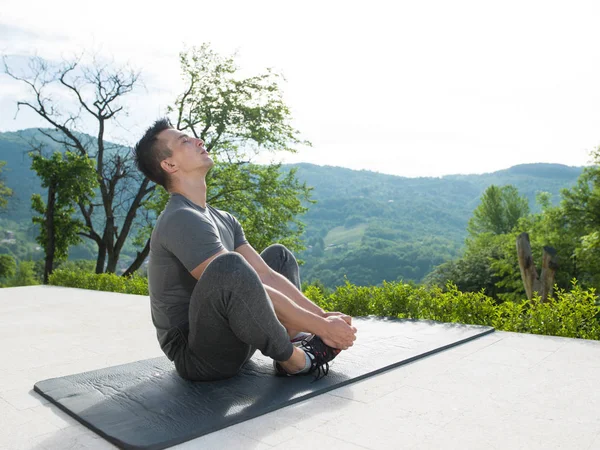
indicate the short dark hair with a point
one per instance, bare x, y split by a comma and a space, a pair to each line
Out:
149, 153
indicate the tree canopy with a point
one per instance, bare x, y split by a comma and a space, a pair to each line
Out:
5, 192
70, 180
237, 117
490, 261
91, 98
499, 211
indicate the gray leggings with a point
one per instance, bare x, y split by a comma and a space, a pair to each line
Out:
231, 317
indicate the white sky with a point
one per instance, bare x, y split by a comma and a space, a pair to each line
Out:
412, 88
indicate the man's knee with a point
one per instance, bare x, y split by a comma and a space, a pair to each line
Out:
276, 252
227, 263
227, 272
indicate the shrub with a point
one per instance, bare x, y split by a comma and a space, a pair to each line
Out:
24, 275
8, 266
456, 306
100, 282
570, 314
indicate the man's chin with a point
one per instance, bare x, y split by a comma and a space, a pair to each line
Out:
209, 165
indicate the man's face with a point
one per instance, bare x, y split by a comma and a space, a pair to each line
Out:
188, 154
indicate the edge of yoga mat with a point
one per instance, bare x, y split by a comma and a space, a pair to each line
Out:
243, 417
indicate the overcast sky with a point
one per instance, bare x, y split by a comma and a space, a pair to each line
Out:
413, 88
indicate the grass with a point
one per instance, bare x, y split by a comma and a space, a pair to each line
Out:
342, 235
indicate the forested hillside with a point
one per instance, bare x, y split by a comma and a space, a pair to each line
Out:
373, 227
367, 226
14, 149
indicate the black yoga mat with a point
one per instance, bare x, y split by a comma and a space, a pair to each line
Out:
146, 405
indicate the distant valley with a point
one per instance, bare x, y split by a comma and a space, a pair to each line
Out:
372, 227
365, 226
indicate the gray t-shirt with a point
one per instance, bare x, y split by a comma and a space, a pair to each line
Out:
185, 235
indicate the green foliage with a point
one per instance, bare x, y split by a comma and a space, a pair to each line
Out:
478, 268
423, 227
403, 300
70, 179
238, 117
109, 282
345, 234
580, 208
84, 265
571, 314
8, 266
381, 253
499, 211
377, 227
67, 95
318, 285
265, 201
490, 261
64, 227
5, 191
572, 228
233, 115
25, 275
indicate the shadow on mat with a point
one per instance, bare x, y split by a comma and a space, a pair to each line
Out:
147, 405
159, 409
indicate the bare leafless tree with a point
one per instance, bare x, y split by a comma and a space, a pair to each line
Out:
75, 97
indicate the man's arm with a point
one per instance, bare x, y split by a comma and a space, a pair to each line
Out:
200, 268
334, 331
277, 281
292, 316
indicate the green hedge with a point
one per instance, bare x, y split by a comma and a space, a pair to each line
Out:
100, 282
570, 314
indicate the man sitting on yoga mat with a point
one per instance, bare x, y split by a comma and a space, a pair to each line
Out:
214, 299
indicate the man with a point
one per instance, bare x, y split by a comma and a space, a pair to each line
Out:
214, 299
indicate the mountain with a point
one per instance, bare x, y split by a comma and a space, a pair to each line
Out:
373, 227
16, 219
365, 225
14, 149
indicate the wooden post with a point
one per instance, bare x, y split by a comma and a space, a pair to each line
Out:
549, 266
528, 271
532, 282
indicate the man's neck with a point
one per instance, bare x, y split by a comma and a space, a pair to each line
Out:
194, 190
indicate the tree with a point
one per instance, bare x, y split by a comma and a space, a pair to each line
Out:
5, 191
478, 269
489, 262
580, 209
267, 202
70, 180
569, 228
93, 94
548, 229
237, 118
8, 266
499, 211
25, 275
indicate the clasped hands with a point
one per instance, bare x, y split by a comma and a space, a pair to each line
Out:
339, 332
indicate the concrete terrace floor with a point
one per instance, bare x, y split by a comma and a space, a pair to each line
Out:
501, 391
